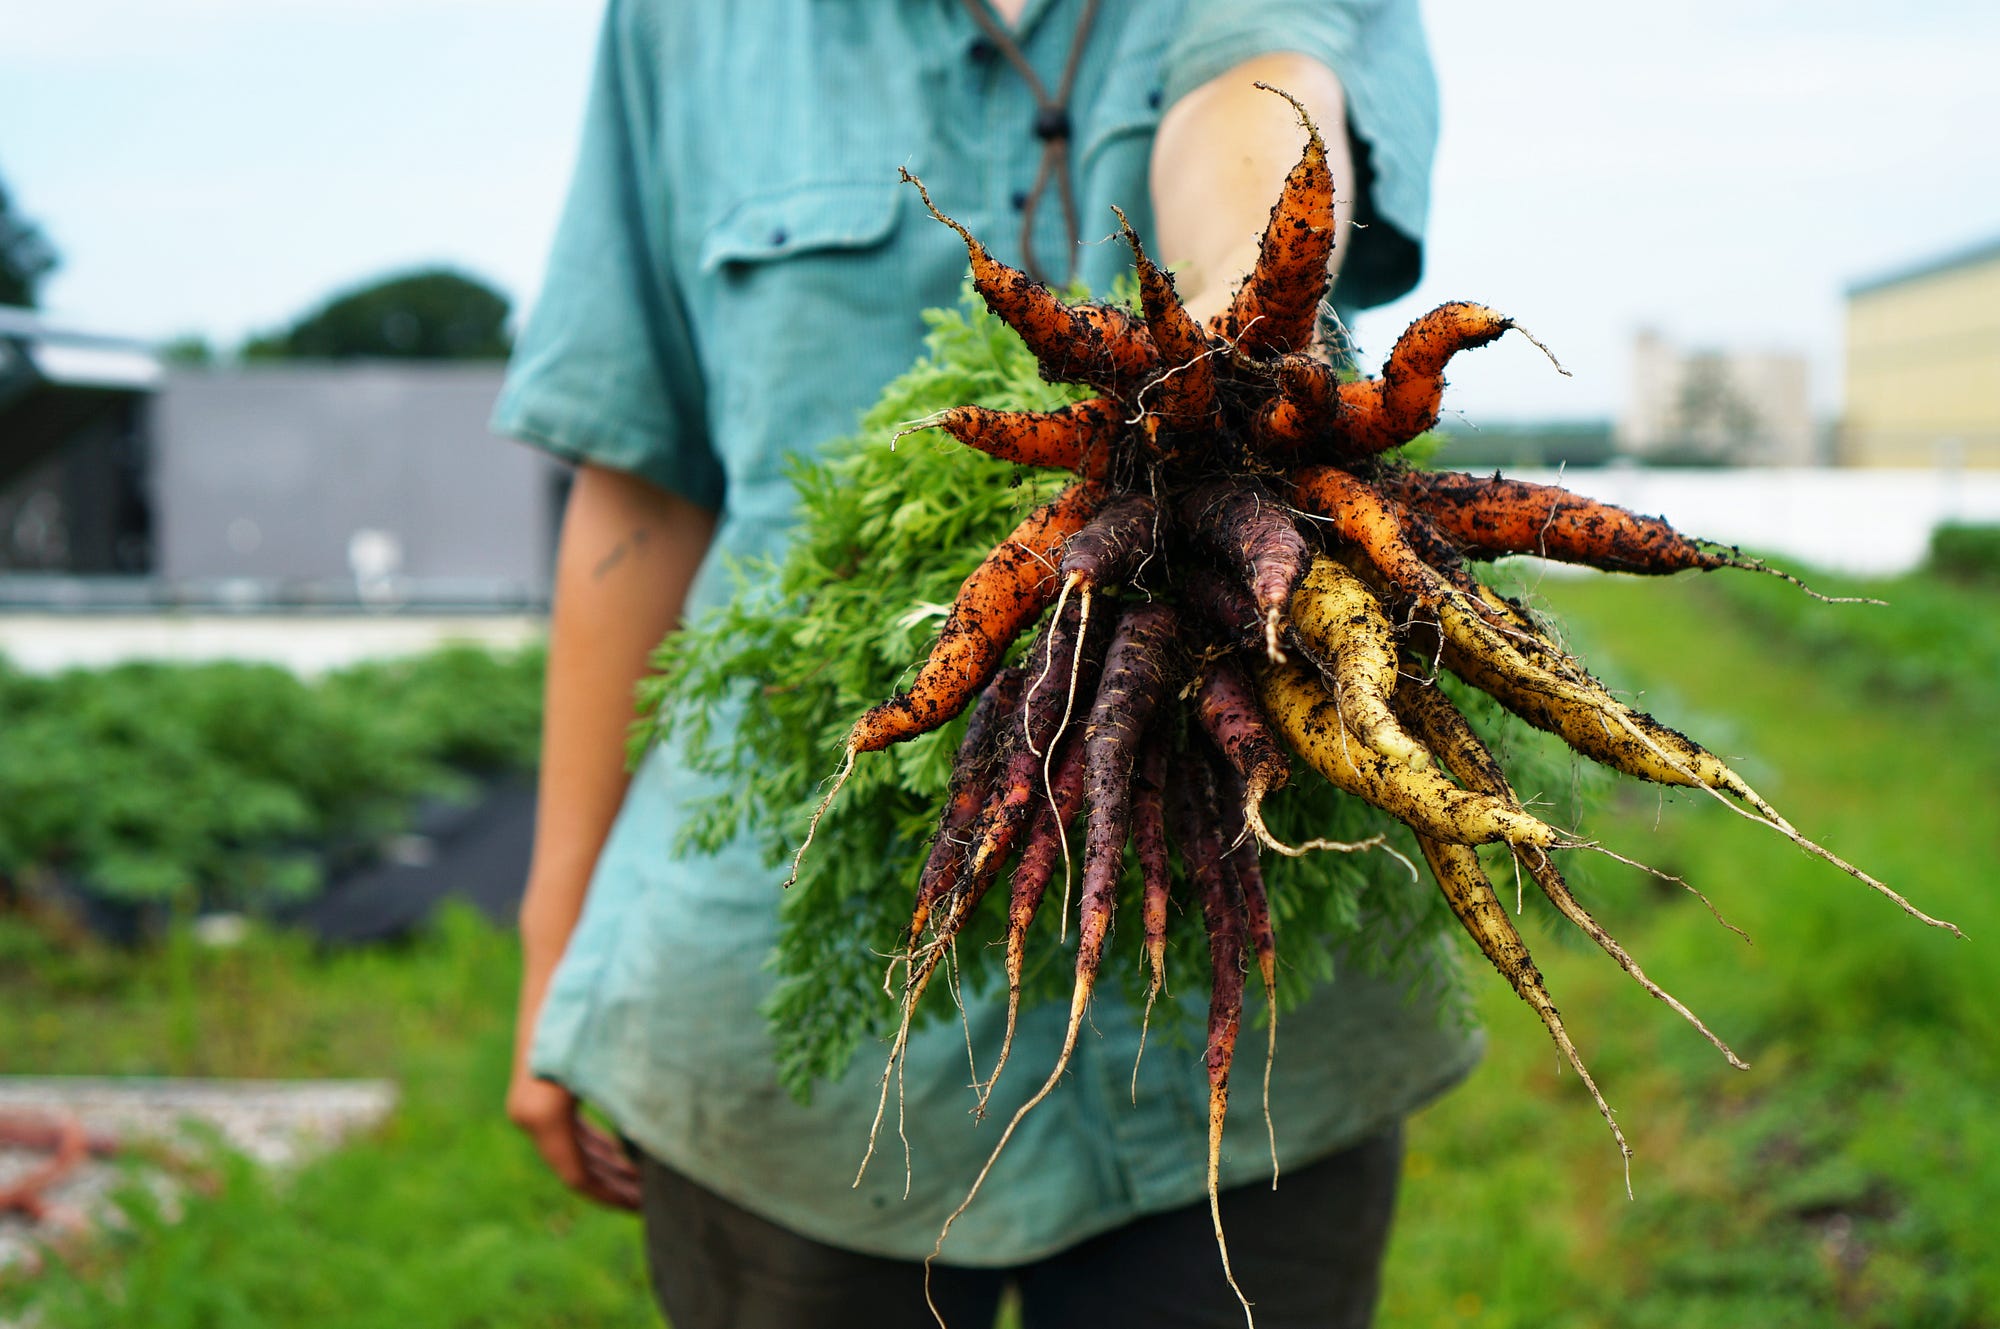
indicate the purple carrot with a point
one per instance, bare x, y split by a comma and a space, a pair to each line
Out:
1149, 842
1138, 672
1227, 708
1040, 852
1257, 536
971, 788
1242, 860
1223, 604
1197, 831
1113, 545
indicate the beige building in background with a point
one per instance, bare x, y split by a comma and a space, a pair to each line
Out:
1923, 365
1716, 408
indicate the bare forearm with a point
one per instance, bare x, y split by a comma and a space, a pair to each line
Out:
628, 554
1221, 156
629, 551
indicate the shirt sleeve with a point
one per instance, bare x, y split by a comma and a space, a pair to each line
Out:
605, 370
1377, 50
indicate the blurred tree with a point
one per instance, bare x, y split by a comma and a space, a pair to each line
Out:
1714, 425
26, 256
190, 348
434, 314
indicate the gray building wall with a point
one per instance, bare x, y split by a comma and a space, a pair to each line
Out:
330, 473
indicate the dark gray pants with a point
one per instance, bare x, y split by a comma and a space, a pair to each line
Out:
1308, 1254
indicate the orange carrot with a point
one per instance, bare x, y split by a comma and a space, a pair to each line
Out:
1305, 413
1282, 426
1277, 307
1489, 517
1184, 396
1002, 596
1076, 438
1387, 412
1097, 344
1357, 512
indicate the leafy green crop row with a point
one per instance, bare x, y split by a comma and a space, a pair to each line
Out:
1932, 639
1966, 553
233, 783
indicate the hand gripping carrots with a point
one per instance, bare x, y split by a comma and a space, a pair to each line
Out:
1243, 572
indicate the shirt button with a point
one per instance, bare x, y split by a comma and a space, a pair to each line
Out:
1153, 99
1019, 198
778, 238
981, 51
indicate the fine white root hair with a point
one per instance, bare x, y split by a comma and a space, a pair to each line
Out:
812, 827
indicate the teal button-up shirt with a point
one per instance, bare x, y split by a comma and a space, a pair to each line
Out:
736, 276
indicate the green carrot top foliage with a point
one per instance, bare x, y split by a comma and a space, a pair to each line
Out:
761, 694
233, 784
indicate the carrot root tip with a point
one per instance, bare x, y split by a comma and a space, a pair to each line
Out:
812, 827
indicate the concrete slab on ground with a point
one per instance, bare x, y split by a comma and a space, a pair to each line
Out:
276, 1123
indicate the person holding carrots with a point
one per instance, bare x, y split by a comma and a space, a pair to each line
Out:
734, 279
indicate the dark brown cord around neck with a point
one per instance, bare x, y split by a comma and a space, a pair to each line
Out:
1051, 125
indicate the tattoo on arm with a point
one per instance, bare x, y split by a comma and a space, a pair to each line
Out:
618, 552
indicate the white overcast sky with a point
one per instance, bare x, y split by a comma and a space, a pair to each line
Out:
1716, 170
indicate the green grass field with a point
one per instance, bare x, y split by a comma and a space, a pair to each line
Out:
1848, 1178
444, 1218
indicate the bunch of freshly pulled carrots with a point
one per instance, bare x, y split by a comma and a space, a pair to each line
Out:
1241, 572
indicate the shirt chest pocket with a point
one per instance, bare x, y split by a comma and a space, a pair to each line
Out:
798, 287
803, 222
